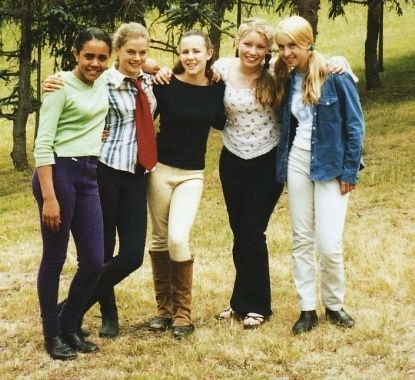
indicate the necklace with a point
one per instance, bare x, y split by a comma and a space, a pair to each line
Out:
247, 76
244, 80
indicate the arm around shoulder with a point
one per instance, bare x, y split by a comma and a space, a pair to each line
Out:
340, 65
221, 117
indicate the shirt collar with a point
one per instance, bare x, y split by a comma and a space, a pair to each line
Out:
118, 78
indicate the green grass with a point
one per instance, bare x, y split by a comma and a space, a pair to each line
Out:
379, 260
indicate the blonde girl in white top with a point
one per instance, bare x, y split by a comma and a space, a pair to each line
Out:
247, 167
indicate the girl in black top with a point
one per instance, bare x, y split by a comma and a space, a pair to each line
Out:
188, 107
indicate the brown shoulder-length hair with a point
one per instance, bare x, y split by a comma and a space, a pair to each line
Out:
178, 67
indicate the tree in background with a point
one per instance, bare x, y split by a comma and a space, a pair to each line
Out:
35, 24
304, 8
374, 37
371, 44
53, 24
20, 103
38, 24
184, 15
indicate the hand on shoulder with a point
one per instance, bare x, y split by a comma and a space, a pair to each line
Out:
52, 83
163, 76
340, 65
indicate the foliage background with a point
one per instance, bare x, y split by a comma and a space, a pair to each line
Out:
379, 261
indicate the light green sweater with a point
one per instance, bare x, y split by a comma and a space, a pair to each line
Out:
71, 120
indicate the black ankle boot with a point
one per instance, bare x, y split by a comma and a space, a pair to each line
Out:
78, 343
160, 323
339, 317
110, 327
80, 330
58, 349
307, 321
180, 332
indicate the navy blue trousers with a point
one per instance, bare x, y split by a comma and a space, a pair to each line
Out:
75, 184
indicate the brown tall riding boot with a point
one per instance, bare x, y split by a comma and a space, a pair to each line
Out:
160, 263
182, 279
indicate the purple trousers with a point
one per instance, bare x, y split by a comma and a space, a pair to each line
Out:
76, 189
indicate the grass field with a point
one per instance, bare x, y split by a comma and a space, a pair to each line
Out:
379, 261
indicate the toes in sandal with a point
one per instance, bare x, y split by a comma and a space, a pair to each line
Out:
226, 314
253, 320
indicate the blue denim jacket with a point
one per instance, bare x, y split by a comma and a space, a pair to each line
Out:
337, 132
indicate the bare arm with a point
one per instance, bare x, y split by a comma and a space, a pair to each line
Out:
151, 66
51, 211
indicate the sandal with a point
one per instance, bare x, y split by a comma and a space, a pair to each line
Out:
253, 320
226, 314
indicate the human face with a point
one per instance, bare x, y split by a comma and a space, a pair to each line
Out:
292, 54
194, 55
132, 56
252, 48
92, 61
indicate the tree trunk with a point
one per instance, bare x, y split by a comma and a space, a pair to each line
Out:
214, 31
18, 154
371, 57
380, 49
309, 10
238, 20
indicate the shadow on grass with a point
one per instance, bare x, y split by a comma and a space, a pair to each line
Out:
397, 80
13, 182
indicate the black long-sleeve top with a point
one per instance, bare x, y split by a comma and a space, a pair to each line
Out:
186, 114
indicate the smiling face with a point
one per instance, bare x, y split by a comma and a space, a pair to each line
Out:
293, 55
132, 55
92, 60
193, 55
252, 48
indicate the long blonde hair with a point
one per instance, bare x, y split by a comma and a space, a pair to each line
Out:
299, 30
265, 91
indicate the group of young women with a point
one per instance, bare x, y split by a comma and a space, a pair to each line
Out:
316, 149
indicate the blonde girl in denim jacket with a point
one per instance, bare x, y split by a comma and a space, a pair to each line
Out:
319, 156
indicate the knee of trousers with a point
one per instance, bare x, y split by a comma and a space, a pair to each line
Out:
329, 244
131, 263
91, 267
303, 242
249, 238
330, 259
158, 243
179, 250
53, 263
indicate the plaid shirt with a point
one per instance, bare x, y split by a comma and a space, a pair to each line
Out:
119, 150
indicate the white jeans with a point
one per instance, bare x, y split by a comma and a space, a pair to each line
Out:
173, 196
318, 211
